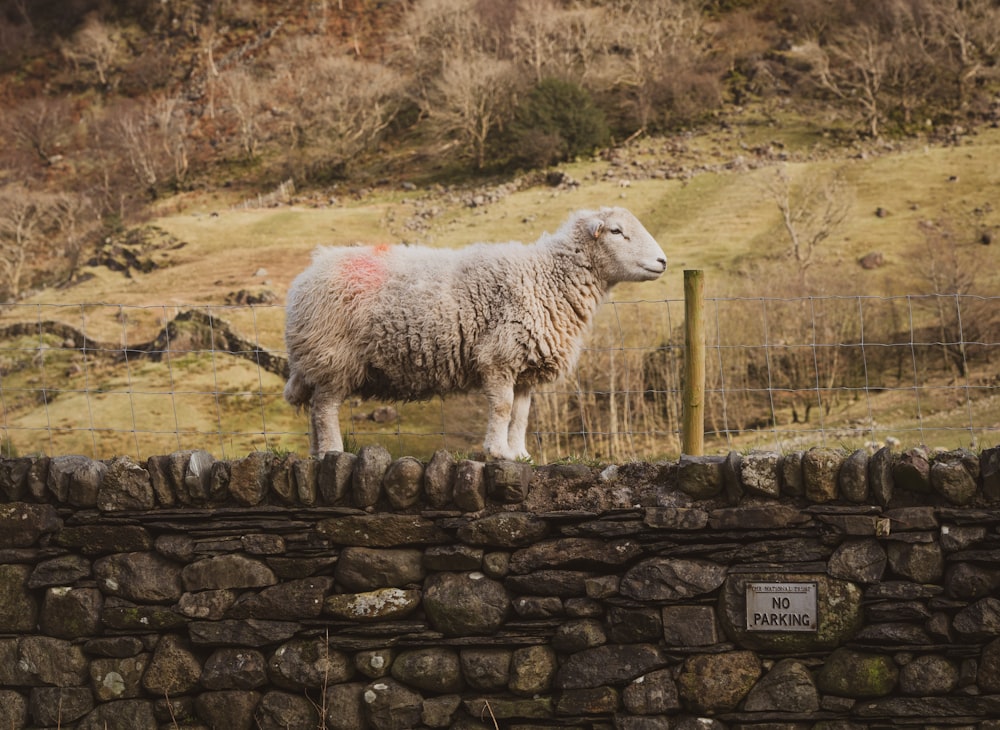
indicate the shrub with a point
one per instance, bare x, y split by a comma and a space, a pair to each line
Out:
557, 121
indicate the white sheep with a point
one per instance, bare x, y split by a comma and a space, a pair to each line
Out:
409, 322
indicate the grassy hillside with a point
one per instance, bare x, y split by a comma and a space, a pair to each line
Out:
703, 196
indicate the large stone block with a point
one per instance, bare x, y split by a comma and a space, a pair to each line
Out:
232, 709
142, 577
690, 626
121, 715
760, 472
610, 664
439, 475
23, 524
226, 572
118, 678
931, 674
234, 668
487, 668
308, 664
582, 702
174, 669
788, 687
505, 530
469, 485
657, 579
283, 710
71, 613
18, 606
465, 603
382, 604
75, 479
574, 552
714, 683
391, 705
402, 482
700, 477
125, 486
250, 477
838, 613
370, 468
654, 693
345, 706
382, 530
821, 473
433, 669
861, 561
365, 569
508, 481
55, 706
290, 600
849, 673
531, 670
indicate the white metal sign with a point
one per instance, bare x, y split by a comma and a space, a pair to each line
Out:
781, 607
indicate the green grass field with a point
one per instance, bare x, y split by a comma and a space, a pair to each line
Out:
712, 218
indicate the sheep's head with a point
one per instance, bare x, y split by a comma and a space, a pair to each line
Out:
621, 248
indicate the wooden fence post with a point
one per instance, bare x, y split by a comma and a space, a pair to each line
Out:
693, 427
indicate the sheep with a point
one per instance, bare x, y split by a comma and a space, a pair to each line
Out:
409, 322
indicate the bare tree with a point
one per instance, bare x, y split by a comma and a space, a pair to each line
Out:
435, 31
25, 221
470, 101
853, 67
552, 41
650, 40
912, 67
107, 184
810, 213
169, 126
207, 36
948, 267
73, 216
339, 105
39, 125
971, 34
95, 45
131, 129
244, 101
887, 61
145, 140
535, 36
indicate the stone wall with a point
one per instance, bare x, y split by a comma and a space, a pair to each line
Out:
359, 592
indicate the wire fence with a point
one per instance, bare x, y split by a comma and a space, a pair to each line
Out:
783, 374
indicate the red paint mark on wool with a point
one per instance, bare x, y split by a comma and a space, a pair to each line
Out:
365, 272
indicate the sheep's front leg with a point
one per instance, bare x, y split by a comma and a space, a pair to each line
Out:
324, 417
500, 396
517, 432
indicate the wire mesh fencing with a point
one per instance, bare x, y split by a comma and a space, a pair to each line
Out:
114, 379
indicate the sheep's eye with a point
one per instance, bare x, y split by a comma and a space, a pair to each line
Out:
615, 230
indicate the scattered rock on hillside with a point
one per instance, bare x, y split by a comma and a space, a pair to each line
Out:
245, 296
138, 249
872, 260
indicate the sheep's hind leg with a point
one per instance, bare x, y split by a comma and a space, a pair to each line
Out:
500, 396
324, 416
518, 429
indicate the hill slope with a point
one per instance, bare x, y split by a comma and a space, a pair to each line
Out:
704, 197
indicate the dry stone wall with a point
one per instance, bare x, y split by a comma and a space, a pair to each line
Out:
357, 591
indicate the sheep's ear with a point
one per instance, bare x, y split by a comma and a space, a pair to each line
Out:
596, 227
